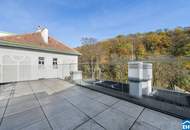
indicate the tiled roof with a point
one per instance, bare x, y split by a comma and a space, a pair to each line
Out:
35, 41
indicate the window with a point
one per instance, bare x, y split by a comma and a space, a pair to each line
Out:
55, 66
41, 62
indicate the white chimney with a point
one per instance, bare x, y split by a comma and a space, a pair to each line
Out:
44, 34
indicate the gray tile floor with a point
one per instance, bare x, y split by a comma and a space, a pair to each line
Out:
59, 105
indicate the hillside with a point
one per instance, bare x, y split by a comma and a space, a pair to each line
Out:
142, 46
163, 42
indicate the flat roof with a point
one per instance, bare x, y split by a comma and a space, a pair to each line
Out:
57, 104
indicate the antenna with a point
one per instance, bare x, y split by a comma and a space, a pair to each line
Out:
132, 49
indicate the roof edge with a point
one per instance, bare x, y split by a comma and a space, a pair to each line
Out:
7, 32
16, 45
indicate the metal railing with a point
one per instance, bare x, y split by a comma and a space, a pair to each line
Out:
173, 75
170, 79
170, 85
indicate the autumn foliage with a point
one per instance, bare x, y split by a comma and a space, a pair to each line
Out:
111, 56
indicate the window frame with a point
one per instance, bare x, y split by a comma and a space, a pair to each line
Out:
41, 62
54, 63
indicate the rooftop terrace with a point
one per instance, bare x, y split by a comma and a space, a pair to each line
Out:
57, 104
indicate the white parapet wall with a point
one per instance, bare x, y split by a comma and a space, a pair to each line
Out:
140, 78
22, 65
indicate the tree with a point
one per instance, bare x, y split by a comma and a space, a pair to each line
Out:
140, 51
110, 56
151, 41
88, 40
181, 43
88, 49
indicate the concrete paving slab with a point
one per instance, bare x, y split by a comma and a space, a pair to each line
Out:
22, 89
90, 93
79, 99
47, 83
20, 107
40, 125
128, 108
5, 95
23, 119
54, 85
39, 87
70, 93
41, 95
3, 103
21, 99
90, 125
113, 119
22, 92
107, 100
76, 89
55, 108
50, 99
6, 87
143, 126
67, 106
60, 94
68, 119
91, 107
85, 92
160, 120
21, 84
1, 112
5, 91
64, 83
57, 85
36, 85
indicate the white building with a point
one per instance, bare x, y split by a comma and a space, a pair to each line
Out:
34, 56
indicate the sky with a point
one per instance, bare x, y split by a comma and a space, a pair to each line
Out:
70, 20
